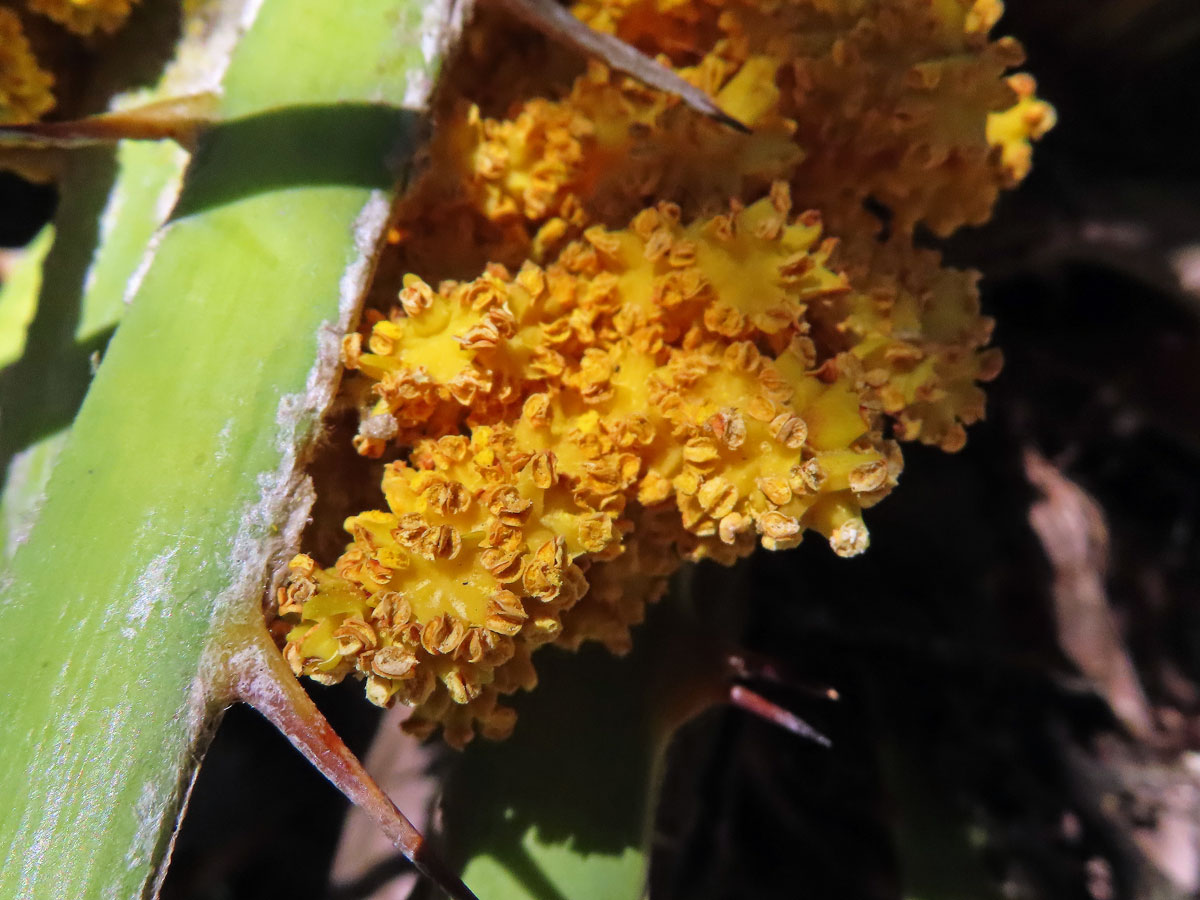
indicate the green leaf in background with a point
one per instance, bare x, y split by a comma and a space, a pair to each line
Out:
565, 807
112, 202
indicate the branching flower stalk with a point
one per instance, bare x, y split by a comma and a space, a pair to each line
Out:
657, 339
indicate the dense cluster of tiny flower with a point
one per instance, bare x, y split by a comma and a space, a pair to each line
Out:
26, 87
688, 341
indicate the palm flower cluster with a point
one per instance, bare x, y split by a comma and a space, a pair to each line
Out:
26, 85
665, 340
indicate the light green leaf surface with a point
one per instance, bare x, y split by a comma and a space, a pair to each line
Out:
147, 182
72, 284
560, 810
18, 296
114, 199
179, 484
24, 489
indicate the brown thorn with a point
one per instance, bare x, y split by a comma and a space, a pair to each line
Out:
179, 119
558, 24
752, 667
753, 702
258, 676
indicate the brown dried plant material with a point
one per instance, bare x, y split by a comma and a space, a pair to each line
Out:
1070, 525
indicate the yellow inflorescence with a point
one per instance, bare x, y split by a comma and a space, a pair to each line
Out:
24, 87
650, 355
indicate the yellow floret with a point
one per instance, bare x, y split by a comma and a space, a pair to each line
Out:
468, 349
474, 558
916, 330
24, 86
85, 16
620, 589
1015, 128
765, 443
740, 445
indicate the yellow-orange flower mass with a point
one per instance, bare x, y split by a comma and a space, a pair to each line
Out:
656, 339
